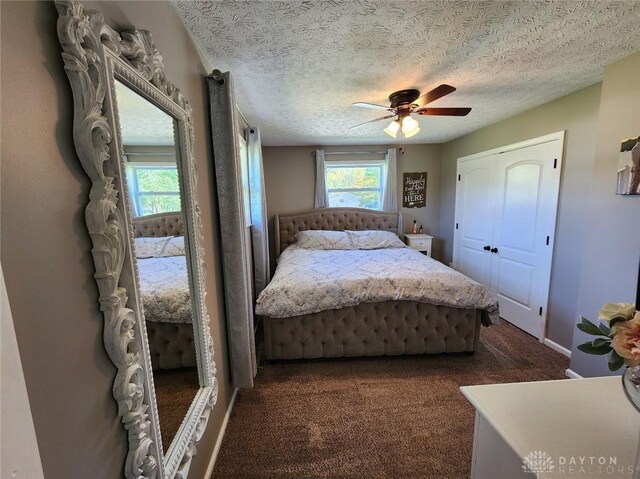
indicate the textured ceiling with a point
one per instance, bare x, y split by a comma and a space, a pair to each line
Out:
298, 66
141, 122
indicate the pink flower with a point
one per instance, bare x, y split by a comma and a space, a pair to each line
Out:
626, 340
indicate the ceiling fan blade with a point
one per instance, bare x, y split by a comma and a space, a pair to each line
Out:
453, 111
433, 95
372, 121
371, 105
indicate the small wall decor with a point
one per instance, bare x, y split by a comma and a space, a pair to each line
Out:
414, 190
629, 167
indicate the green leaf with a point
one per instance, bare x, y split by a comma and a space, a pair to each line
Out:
617, 319
598, 342
588, 327
605, 329
614, 361
598, 350
614, 356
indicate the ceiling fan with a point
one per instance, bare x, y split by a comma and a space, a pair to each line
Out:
406, 102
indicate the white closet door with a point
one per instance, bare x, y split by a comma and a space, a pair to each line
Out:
525, 213
475, 218
506, 204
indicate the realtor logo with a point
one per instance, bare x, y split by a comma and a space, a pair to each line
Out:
537, 462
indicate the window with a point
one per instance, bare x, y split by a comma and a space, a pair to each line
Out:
354, 184
154, 188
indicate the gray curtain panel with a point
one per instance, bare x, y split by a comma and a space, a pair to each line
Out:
390, 196
259, 220
233, 230
321, 200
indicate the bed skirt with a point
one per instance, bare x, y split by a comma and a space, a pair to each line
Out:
171, 345
389, 328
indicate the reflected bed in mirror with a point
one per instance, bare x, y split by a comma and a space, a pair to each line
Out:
153, 183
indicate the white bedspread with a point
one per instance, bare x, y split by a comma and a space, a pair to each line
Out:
309, 281
164, 287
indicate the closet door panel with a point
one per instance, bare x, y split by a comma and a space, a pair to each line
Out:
524, 207
475, 218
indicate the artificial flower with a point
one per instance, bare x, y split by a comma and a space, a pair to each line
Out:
616, 310
626, 341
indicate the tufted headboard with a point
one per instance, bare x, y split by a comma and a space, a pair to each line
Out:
160, 224
338, 219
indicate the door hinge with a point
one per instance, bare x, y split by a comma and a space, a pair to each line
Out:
540, 313
547, 241
555, 162
456, 225
459, 176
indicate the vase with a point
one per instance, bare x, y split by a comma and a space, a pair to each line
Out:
631, 385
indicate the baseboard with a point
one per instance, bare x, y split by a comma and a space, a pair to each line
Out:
571, 374
223, 429
556, 347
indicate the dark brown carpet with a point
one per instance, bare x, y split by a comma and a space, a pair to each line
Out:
175, 390
401, 417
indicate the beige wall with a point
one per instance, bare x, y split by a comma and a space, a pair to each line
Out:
46, 250
577, 114
290, 181
612, 240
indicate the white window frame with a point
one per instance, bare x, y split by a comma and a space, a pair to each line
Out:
132, 180
355, 164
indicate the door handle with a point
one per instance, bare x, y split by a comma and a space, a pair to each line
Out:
494, 250
487, 248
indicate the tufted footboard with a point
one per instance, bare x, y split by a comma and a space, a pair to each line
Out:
171, 345
388, 328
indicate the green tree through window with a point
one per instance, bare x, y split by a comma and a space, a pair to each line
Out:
154, 189
354, 184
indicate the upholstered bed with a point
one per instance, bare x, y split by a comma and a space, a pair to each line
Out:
368, 328
169, 326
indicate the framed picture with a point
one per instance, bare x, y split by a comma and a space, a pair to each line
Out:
414, 190
629, 167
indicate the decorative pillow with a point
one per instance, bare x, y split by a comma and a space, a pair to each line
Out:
174, 247
323, 239
374, 239
150, 247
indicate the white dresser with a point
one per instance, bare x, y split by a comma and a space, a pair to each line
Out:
420, 242
573, 428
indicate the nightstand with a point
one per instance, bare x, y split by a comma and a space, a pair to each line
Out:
420, 242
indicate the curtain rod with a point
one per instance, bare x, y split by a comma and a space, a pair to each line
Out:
380, 152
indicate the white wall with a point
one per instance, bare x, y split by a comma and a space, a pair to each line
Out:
612, 240
18, 445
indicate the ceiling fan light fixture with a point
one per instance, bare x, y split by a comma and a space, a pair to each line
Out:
413, 132
409, 126
392, 129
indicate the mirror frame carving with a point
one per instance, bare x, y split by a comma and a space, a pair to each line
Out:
95, 56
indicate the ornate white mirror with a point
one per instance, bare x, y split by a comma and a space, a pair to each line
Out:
134, 137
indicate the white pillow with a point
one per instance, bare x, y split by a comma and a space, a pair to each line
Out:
174, 247
323, 239
374, 239
150, 247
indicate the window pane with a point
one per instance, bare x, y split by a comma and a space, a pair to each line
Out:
158, 179
353, 177
152, 204
355, 199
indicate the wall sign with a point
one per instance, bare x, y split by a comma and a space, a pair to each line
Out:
414, 190
629, 167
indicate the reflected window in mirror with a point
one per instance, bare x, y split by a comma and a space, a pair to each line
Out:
154, 188
153, 182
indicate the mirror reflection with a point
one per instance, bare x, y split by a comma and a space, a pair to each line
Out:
152, 176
